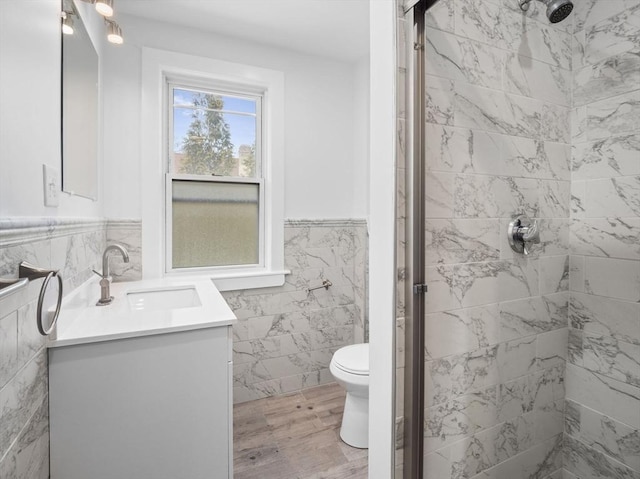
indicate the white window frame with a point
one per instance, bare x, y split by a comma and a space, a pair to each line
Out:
159, 69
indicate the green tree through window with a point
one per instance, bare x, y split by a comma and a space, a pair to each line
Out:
207, 147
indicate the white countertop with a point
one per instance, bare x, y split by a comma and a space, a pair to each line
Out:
81, 321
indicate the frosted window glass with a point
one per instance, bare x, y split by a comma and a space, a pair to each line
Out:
215, 224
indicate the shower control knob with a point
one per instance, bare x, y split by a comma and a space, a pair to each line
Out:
523, 232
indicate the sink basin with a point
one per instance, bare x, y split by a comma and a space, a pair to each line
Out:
163, 299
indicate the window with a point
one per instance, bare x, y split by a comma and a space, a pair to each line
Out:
214, 181
222, 214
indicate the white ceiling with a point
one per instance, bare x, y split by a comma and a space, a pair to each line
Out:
337, 29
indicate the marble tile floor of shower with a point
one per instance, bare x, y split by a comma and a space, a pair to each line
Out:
295, 436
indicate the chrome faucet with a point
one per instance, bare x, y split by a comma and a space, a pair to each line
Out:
105, 282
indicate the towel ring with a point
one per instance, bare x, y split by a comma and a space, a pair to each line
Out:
43, 306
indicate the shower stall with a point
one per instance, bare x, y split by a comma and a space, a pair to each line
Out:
518, 361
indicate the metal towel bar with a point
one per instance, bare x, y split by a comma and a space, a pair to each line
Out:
325, 284
28, 272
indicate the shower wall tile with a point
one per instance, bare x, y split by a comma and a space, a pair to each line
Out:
479, 21
461, 331
606, 158
608, 396
495, 196
613, 197
481, 108
517, 358
515, 398
589, 12
451, 421
554, 274
535, 79
613, 36
614, 278
521, 117
579, 125
285, 336
578, 199
457, 58
603, 434
492, 446
461, 150
441, 16
601, 316
457, 375
606, 237
613, 76
584, 461
554, 198
439, 100
531, 159
576, 273
549, 422
542, 42
531, 316
439, 192
462, 241
578, 43
556, 123
612, 358
614, 116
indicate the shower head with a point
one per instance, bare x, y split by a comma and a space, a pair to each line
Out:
557, 10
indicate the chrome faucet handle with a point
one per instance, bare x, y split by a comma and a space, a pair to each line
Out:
523, 232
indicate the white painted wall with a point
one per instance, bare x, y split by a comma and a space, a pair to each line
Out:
30, 109
324, 158
382, 241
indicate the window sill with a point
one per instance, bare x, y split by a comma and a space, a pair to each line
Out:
238, 280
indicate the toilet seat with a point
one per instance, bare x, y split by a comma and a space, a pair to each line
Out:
353, 359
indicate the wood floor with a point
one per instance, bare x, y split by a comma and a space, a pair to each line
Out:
295, 437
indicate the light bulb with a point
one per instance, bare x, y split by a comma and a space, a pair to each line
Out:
67, 23
105, 7
114, 33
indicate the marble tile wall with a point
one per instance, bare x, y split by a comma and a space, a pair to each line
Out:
286, 336
73, 246
498, 144
602, 428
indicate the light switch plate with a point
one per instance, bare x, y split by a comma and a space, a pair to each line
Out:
51, 183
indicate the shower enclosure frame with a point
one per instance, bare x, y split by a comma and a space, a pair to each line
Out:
415, 277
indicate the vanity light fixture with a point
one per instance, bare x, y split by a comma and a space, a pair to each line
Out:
67, 23
114, 32
104, 8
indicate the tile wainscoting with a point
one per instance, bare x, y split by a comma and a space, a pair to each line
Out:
286, 336
73, 246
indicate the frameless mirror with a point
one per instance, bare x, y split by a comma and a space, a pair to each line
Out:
80, 83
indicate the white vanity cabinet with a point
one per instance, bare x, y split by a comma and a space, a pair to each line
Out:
156, 407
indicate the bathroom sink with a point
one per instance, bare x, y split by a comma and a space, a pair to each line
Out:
163, 299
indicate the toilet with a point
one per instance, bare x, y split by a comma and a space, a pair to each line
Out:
350, 368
